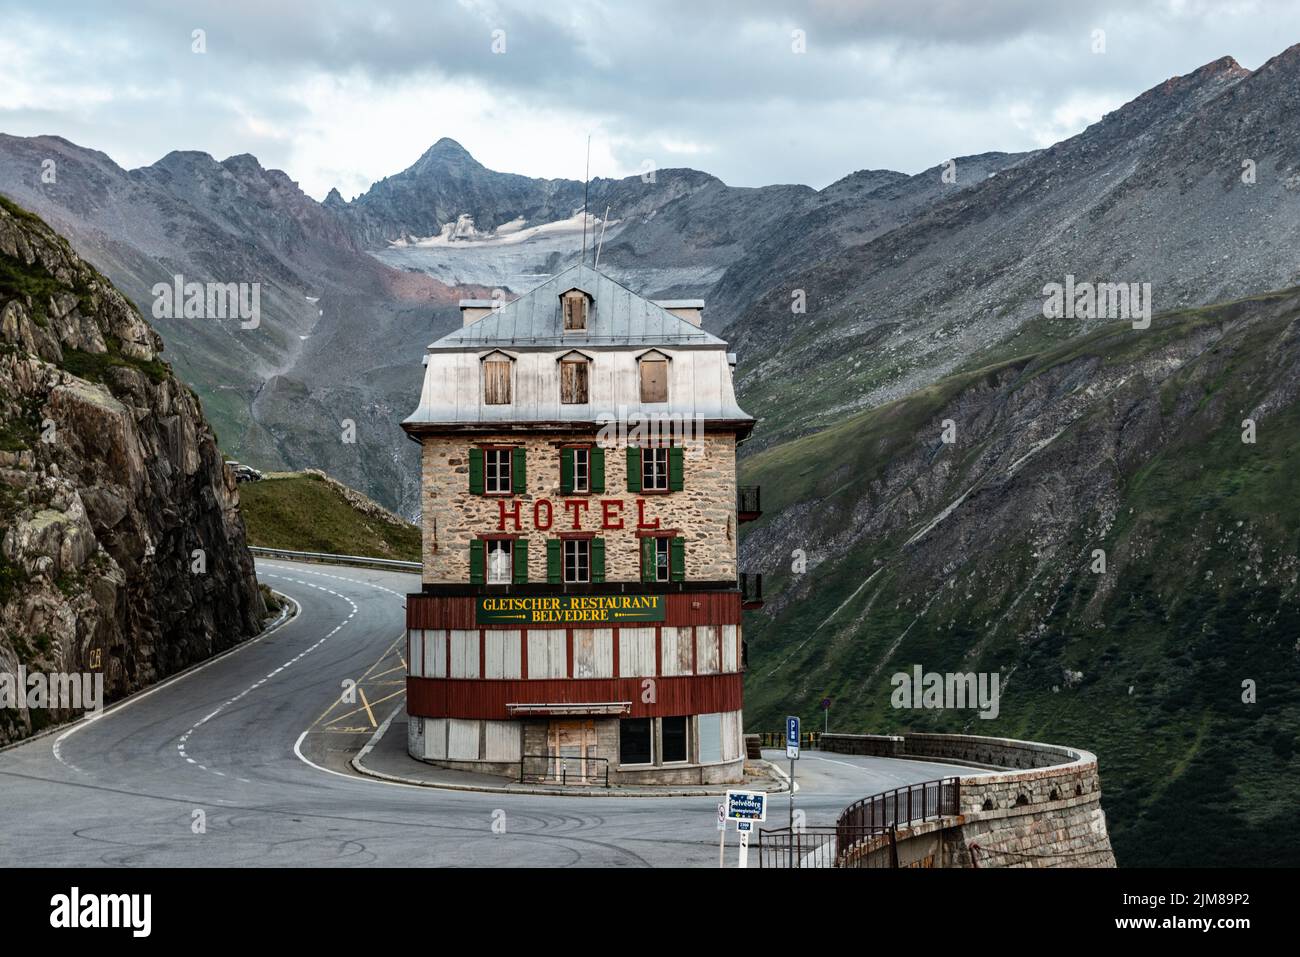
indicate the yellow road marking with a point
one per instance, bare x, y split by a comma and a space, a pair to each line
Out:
377, 701
370, 714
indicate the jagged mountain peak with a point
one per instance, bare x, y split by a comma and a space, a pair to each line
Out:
444, 154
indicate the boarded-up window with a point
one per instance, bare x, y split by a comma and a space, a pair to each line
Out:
435, 654
415, 652
502, 740
546, 657
435, 738
464, 653
654, 380
678, 650
575, 311
636, 652
593, 653
730, 648
731, 735
706, 650
573, 381
501, 654
496, 382
462, 739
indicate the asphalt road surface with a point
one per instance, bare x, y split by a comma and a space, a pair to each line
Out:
243, 762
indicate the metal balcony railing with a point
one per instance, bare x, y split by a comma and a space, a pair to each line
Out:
751, 590
748, 502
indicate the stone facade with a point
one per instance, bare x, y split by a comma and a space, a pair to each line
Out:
704, 510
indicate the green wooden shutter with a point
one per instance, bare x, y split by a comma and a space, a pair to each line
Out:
520, 554
475, 471
677, 559
566, 471
633, 468
597, 469
476, 563
518, 476
597, 560
553, 570
647, 559
675, 483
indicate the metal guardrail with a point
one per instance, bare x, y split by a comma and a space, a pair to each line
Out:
873, 819
563, 770
819, 847
329, 559
897, 808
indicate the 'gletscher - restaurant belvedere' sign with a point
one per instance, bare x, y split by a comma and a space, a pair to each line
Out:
562, 609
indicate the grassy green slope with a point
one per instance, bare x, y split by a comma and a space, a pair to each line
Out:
304, 512
1144, 664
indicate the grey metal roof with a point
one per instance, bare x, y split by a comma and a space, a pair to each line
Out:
617, 317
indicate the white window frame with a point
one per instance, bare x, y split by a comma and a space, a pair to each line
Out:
650, 467
581, 557
498, 471
501, 545
582, 467
663, 568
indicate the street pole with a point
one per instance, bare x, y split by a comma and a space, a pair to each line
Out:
792, 812
722, 847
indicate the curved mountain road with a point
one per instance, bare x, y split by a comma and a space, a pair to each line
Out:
243, 761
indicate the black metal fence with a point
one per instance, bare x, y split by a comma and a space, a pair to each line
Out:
870, 824
751, 588
897, 808
820, 847
748, 500
558, 769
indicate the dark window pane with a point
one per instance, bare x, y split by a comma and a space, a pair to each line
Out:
634, 741
674, 739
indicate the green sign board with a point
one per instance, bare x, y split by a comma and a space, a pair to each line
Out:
570, 609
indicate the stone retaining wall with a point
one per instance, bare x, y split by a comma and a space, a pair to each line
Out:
1045, 811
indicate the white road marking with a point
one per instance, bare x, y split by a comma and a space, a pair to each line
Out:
141, 695
257, 684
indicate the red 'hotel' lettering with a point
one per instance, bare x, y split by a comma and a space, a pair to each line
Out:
611, 514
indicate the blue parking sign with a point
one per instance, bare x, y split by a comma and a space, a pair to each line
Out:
792, 737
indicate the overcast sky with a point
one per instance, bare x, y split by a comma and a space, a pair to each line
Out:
340, 93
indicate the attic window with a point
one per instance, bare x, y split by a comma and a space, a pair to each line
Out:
574, 303
496, 379
654, 377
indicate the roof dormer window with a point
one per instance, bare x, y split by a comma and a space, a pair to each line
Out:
575, 305
497, 368
654, 376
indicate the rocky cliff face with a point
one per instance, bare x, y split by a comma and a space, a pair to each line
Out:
123, 551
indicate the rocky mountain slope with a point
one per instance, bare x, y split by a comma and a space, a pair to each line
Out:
123, 550
1153, 193
1099, 533
339, 334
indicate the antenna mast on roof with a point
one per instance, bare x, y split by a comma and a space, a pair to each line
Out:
601, 245
585, 184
